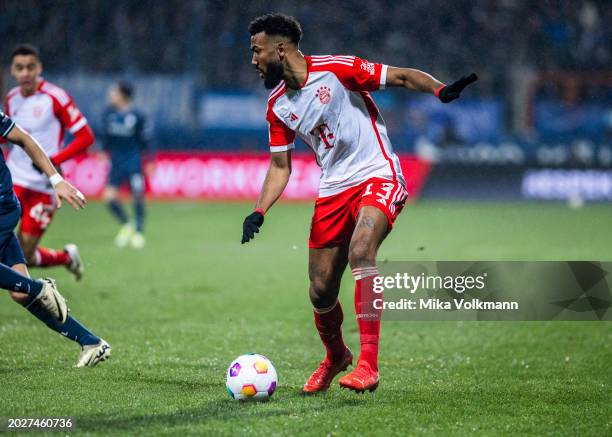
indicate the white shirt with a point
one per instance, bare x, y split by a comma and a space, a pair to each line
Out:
334, 114
45, 115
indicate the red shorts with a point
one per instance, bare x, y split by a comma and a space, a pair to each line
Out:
37, 210
335, 216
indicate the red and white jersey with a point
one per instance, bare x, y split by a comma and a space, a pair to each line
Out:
45, 115
334, 114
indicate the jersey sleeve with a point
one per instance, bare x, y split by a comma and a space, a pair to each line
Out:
6, 124
281, 137
362, 75
71, 117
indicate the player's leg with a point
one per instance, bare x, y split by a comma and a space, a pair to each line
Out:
371, 229
111, 197
137, 187
93, 348
24, 289
9, 279
38, 256
380, 203
71, 329
330, 232
325, 269
37, 214
21, 286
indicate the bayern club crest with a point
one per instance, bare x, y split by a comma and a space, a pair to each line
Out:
324, 94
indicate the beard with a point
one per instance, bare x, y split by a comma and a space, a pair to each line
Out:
274, 74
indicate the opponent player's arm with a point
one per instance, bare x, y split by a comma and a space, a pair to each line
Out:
74, 122
274, 184
420, 81
83, 139
63, 189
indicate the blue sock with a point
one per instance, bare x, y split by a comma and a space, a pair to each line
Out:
139, 213
15, 281
71, 329
118, 211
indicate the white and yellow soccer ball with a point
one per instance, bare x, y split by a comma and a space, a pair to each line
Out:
251, 377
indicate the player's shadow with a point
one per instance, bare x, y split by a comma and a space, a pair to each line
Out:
221, 409
214, 410
181, 383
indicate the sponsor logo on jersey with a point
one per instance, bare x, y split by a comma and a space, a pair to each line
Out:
324, 94
367, 66
293, 117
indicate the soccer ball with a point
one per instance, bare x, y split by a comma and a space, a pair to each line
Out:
251, 376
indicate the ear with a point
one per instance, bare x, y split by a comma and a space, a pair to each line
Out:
281, 50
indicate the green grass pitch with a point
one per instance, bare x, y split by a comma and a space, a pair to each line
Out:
179, 311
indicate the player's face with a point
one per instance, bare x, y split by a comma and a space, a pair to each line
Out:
266, 59
114, 97
26, 69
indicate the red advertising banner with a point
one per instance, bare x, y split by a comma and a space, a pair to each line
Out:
218, 175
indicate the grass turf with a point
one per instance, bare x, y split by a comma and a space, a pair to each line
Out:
179, 311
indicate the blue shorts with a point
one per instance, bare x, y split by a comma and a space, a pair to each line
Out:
131, 172
122, 172
10, 250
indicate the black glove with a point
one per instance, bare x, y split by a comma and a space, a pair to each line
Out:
251, 226
453, 91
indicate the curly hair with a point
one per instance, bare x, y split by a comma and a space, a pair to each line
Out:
278, 25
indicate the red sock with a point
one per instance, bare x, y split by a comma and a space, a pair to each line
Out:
50, 257
329, 325
368, 317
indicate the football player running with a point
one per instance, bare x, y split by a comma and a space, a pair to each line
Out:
326, 102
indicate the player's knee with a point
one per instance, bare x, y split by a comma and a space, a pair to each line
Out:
323, 287
137, 186
109, 194
361, 254
20, 298
322, 295
30, 256
29, 251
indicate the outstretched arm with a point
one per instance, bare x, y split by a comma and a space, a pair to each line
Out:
417, 80
273, 186
63, 189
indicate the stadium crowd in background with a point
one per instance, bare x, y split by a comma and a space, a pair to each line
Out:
452, 35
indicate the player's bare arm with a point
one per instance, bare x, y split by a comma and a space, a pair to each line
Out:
276, 179
63, 189
274, 184
420, 81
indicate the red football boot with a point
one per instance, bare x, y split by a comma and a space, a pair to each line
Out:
361, 379
322, 377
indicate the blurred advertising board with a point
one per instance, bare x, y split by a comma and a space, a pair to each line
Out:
512, 182
218, 175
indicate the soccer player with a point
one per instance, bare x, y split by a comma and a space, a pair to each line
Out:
325, 100
124, 139
46, 111
41, 297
